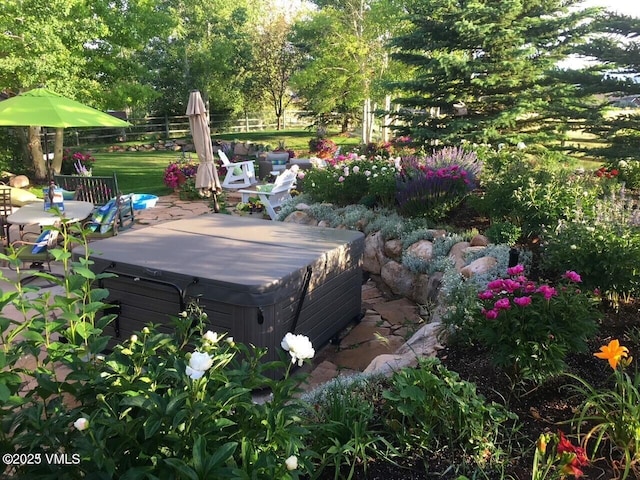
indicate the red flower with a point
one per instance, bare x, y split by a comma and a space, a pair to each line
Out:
577, 455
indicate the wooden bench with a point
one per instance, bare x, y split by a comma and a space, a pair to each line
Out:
99, 190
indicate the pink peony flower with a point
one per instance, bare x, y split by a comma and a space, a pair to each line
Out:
516, 270
529, 287
341, 179
486, 295
496, 285
511, 285
522, 301
502, 304
490, 314
572, 276
547, 291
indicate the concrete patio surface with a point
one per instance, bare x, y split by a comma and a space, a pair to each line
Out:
387, 323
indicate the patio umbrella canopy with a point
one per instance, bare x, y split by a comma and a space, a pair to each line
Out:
44, 108
207, 180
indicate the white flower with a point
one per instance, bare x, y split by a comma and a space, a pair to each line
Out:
146, 330
346, 171
198, 364
81, 423
291, 462
521, 146
367, 173
183, 314
298, 346
230, 341
622, 164
356, 169
501, 146
211, 337
134, 338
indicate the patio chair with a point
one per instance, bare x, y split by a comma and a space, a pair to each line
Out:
113, 217
273, 195
239, 174
36, 253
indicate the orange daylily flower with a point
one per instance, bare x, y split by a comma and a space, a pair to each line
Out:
612, 352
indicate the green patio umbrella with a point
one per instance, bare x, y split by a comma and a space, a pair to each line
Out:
45, 108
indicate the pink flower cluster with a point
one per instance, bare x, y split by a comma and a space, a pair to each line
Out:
517, 290
454, 172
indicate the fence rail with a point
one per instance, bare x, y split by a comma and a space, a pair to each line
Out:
178, 126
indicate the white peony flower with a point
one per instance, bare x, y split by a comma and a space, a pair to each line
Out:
346, 171
291, 462
134, 338
367, 173
521, 146
298, 346
211, 337
356, 169
81, 423
198, 364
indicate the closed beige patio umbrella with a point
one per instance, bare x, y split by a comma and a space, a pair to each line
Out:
207, 180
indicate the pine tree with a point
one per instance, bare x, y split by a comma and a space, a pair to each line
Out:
483, 69
616, 48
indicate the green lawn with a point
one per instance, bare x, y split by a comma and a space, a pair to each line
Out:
138, 172
142, 172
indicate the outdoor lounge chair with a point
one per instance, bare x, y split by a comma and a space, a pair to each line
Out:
273, 195
239, 174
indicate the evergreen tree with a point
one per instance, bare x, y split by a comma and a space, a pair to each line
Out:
616, 78
483, 69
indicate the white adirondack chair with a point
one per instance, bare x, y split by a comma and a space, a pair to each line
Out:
274, 194
239, 174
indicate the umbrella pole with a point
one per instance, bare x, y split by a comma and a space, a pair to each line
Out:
46, 156
216, 205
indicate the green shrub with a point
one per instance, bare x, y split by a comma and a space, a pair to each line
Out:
529, 327
351, 180
504, 232
604, 248
535, 199
629, 172
429, 408
345, 429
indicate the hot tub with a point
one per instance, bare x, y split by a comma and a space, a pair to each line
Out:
255, 279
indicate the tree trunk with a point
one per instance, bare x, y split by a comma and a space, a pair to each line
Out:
35, 147
57, 150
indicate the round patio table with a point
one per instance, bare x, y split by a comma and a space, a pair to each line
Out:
35, 214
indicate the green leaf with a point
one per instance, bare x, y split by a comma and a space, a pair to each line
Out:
5, 393
151, 427
182, 468
84, 272
32, 336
